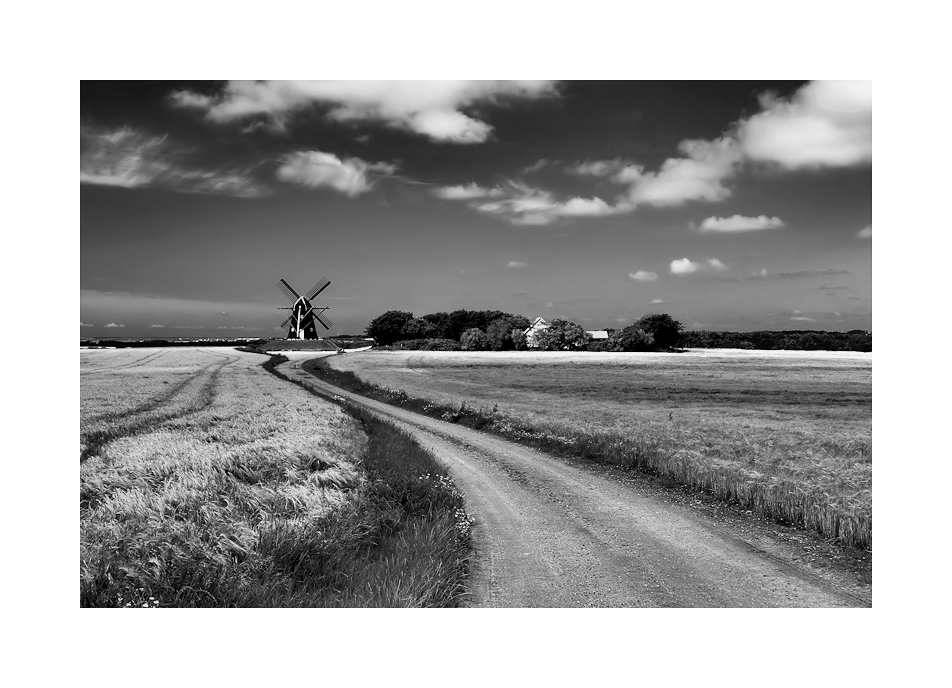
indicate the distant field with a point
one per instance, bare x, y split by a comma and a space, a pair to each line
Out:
787, 432
207, 481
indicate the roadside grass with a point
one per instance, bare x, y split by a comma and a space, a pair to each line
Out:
265, 496
776, 461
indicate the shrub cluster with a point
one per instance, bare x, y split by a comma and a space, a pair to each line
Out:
804, 340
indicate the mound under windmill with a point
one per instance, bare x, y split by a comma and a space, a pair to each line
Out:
301, 323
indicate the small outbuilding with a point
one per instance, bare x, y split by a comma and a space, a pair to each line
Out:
597, 334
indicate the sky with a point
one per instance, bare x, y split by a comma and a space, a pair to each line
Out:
728, 205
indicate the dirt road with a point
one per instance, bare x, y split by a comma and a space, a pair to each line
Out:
550, 533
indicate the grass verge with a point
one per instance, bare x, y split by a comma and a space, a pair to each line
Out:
242, 505
839, 514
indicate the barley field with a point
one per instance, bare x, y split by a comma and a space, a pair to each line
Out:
205, 480
786, 433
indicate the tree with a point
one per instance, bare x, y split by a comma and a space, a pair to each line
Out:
561, 335
387, 328
500, 331
632, 338
418, 328
518, 337
665, 329
474, 339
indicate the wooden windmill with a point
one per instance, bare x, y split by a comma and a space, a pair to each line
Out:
302, 322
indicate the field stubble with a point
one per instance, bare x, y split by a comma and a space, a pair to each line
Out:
787, 434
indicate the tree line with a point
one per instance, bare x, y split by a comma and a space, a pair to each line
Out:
491, 330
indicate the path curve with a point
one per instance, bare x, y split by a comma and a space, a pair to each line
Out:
552, 534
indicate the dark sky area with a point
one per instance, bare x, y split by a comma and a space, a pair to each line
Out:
729, 205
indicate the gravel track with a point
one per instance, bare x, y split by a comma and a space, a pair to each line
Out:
550, 533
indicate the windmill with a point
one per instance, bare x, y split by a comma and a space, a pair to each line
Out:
302, 321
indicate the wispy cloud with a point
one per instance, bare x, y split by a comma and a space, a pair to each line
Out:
812, 273
129, 158
740, 223
656, 301
865, 233
157, 326
536, 166
114, 325
350, 176
802, 318
516, 264
466, 192
430, 108
599, 168
643, 276
82, 324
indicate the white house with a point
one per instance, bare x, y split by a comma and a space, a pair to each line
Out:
535, 328
597, 334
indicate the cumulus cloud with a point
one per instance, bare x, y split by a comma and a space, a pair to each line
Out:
156, 325
865, 233
643, 276
656, 301
129, 158
684, 266
802, 317
431, 108
114, 325
698, 176
739, 223
82, 324
350, 176
516, 264
825, 123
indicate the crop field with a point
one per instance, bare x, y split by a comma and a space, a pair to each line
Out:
786, 433
207, 481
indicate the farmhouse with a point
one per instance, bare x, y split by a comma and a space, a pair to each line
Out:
597, 334
535, 328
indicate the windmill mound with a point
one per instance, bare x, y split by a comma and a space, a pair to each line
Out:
297, 345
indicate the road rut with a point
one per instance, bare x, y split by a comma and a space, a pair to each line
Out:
552, 534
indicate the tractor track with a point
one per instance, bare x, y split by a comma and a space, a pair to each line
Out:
556, 533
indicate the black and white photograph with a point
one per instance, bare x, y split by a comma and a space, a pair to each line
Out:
476, 344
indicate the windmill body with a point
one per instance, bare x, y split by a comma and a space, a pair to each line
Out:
302, 322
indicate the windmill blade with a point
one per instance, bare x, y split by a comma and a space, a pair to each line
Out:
287, 321
288, 290
324, 321
317, 288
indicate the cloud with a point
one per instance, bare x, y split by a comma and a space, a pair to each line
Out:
828, 287
516, 264
865, 233
522, 204
130, 159
351, 176
656, 301
431, 108
599, 168
461, 192
802, 317
739, 223
643, 276
535, 167
698, 176
157, 326
114, 325
812, 273
825, 123
82, 324
684, 266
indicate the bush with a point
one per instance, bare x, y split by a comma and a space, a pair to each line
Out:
474, 339
500, 332
632, 338
601, 345
431, 344
388, 328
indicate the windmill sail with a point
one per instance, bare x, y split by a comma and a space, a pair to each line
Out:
288, 290
317, 289
302, 322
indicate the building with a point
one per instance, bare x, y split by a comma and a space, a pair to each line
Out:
535, 328
597, 334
